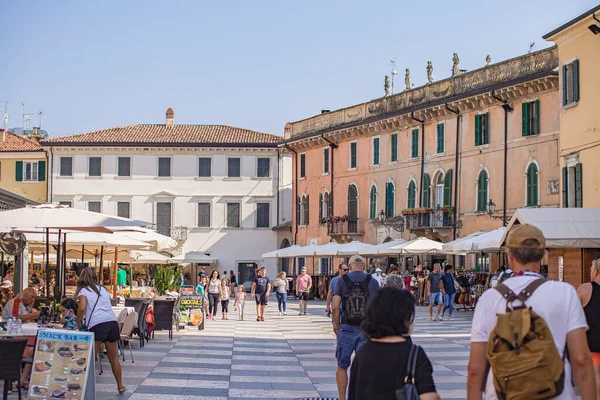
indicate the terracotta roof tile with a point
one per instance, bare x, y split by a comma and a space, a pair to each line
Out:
14, 142
142, 134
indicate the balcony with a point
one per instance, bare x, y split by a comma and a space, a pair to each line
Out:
345, 230
178, 233
428, 219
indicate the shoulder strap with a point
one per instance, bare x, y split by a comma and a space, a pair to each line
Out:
92, 313
411, 366
347, 280
523, 295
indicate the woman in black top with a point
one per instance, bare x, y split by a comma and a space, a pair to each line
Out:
232, 282
380, 365
589, 294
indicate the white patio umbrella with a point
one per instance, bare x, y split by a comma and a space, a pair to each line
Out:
286, 252
330, 249
192, 257
356, 247
159, 242
148, 257
452, 247
91, 240
384, 248
420, 245
491, 241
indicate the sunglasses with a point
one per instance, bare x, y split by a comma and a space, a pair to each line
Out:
344, 269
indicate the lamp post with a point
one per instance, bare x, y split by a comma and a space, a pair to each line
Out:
491, 209
396, 224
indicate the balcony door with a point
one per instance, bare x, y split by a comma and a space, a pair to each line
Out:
439, 191
163, 218
352, 209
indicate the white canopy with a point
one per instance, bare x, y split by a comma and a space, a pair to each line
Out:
356, 247
562, 227
330, 249
453, 247
159, 242
384, 248
490, 241
420, 245
60, 217
192, 257
285, 252
148, 257
89, 240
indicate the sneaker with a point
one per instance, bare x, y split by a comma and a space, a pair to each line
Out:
451, 318
284, 313
431, 318
300, 313
441, 318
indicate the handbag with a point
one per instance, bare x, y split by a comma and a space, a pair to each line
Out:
83, 327
409, 390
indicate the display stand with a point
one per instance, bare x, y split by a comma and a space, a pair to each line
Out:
194, 305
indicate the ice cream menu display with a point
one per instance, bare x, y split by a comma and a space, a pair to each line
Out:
63, 365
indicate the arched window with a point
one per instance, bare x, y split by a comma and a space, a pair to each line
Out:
373, 203
389, 200
284, 263
532, 185
412, 195
426, 200
448, 188
482, 191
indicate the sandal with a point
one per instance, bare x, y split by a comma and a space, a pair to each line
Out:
262, 319
258, 319
122, 390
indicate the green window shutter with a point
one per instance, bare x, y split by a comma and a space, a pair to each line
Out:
389, 200
448, 188
565, 187
426, 191
525, 117
478, 130
373, 203
565, 85
298, 210
329, 205
532, 185
536, 117
353, 155
307, 210
440, 138
376, 151
415, 143
19, 171
482, 191
41, 171
578, 186
395, 147
320, 205
411, 195
486, 131
575, 80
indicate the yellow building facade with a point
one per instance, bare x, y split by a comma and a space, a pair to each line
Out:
22, 167
578, 44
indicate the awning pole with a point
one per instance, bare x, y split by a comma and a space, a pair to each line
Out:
115, 268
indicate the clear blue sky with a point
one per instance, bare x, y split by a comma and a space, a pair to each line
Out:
92, 64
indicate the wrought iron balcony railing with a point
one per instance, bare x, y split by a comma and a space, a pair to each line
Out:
349, 227
436, 218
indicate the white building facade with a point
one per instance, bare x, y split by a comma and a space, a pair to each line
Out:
216, 189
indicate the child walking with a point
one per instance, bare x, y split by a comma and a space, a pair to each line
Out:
225, 298
240, 302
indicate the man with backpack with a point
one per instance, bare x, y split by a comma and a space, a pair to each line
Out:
351, 294
522, 329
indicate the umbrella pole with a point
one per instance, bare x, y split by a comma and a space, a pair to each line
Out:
58, 265
101, 277
64, 271
115, 268
47, 263
82, 253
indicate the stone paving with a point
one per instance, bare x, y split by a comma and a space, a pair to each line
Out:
285, 357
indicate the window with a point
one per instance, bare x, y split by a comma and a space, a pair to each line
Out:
482, 191
95, 166
233, 167
572, 186
353, 150
373, 203
262, 215
448, 188
570, 83
95, 206
376, 151
204, 215
65, 203
426, 197
394, 147
233, 215
163, 218
302, 165
124, 166
482, 129
66, 166
414, 152
164, 167
531, 118
30, 171
204, 167
124, 209
440, 138
412, 195
532, 185
263, 167
325, 266
327, 205
389, 200
326, 160
305, 210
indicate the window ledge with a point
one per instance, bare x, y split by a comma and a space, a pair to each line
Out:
65, 177
232, 178
163, 178
93, 177
24, 181
203, 178
261, 178
376, 165
324, 173
231, 228
352, 169
266, 228
393, 162
124, 178
202, 228
570, 105
301, 178
482, 146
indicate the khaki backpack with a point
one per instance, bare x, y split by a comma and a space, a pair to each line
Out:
521, 351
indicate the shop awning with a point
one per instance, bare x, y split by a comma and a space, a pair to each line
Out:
577, 228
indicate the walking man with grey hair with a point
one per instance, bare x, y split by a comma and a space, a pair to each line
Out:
435, 289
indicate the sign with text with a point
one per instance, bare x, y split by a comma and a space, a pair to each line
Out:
63, 365
194, 304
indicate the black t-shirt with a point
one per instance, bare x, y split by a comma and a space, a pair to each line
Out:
379, 369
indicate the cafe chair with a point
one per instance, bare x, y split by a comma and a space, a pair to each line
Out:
10, 363
140, 329
163, 316
126, 332
114, 301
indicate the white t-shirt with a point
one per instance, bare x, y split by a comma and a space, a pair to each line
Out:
378, 278
556, 302
103, 311
213, 286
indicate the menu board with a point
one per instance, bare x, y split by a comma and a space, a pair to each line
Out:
194, 305
63, 365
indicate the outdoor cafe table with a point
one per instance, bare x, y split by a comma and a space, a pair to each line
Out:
122, 312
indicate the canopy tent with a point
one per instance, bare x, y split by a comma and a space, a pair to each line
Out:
453, 247
192, 257
562, 227
328, 250
91, 240
148, 257
285, 252
356, 247
490, 241
384, 248
420, 245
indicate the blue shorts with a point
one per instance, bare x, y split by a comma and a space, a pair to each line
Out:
433, 297
349, 340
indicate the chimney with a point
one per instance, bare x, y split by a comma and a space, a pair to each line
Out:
170, 117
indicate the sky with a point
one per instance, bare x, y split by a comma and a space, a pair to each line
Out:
94, 64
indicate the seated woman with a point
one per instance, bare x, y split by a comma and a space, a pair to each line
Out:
380, 365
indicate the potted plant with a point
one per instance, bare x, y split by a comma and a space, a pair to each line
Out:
447, 209
165, 279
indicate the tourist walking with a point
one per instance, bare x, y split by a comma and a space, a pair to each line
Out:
435, 288
589, 295
350, 298
552, 315
394, 281
282, 285
214, 294
381, 364
378, 277
225, 294
240, 302
342, 270
95, 308
449, 291
232, 282
261, 288
303, 286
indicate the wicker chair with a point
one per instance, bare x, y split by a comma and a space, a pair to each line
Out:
163, 316
10, 363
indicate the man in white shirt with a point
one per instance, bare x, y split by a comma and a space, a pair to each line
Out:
377, 276
22, 306
556, 302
